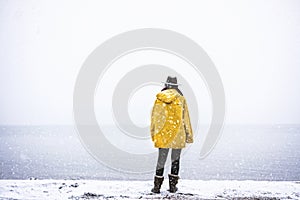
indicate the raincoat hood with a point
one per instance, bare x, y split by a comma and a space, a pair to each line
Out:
167, 96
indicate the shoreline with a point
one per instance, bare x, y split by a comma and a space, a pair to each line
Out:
188, 189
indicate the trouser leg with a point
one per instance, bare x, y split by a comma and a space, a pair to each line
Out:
175, 158
173, 177
162, 157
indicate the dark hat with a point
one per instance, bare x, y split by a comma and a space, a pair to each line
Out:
171, 81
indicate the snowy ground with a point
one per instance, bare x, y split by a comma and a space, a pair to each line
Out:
188, 189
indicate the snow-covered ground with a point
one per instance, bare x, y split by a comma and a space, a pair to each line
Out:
188, 189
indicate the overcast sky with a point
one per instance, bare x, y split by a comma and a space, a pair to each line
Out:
255, 46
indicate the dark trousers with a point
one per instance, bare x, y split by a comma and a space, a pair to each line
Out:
162, 157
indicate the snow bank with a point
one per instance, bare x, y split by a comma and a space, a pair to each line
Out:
188, 189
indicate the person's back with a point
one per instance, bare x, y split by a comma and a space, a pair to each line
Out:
170, 123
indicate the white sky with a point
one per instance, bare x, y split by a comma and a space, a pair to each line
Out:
255, 46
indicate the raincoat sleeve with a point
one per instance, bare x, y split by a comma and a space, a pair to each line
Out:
187, 124
152, 125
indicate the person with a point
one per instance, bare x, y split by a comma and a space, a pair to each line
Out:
170, 129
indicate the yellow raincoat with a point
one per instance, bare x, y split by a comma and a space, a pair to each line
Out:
170, 122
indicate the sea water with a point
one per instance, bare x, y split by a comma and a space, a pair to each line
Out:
244, 152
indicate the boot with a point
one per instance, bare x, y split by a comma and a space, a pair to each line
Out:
173, 180
158, 180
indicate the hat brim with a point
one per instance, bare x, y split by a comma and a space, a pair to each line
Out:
171, 83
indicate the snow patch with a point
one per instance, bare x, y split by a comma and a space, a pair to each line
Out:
188, 189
